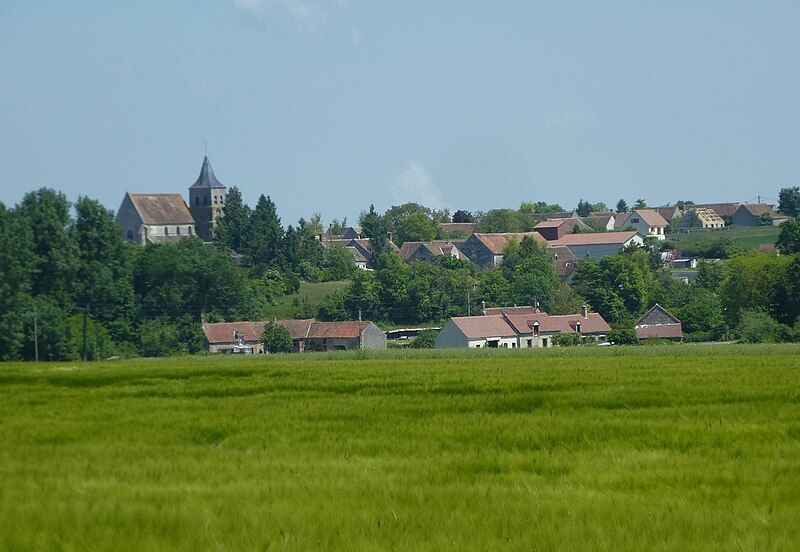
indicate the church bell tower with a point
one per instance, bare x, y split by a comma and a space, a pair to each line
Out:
206, 201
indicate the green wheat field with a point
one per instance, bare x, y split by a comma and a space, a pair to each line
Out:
649, 448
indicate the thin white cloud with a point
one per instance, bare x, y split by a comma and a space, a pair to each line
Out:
414, 185
569, 119
307, 15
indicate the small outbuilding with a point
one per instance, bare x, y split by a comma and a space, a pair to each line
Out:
658, 323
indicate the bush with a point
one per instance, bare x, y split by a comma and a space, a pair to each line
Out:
277, 339
567, 340
759, 327
623, 336
425, 340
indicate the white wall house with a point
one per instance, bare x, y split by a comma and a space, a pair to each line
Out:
599, 244
648, 223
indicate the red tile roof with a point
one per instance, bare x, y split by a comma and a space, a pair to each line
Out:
758, 209
555, 223
496, 243
664, 331
225, 332
467, 227
651, 217
342, 330
594, 238
481, 327
511, 310
594, 323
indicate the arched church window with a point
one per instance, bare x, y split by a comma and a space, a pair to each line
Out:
197, 200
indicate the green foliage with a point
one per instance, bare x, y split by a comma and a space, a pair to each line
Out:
159, 337
623, 335
266, 235
639, 204
49, 325
584, 208
567, 340
16, 271
501, 220
276, 339
756, 326
416, 227
756, 281
425, 340
615, 286
539, 207
710, 275
233, 229
765, 219
493, 288
463, 216
339, 264
363, 295
332, 308
789, 201
529, 268
700, 311
788, 241
622, 206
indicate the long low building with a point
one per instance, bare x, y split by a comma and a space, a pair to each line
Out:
599, 244
307, 335
520, 327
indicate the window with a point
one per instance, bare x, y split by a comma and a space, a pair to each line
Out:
178, 230
530, 343
635, 220
166, 230
513, 345
197, 200
215, 200
205, 200
190, 230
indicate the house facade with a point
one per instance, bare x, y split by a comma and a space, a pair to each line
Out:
647, 222
154, 218
520, 327
750, 215
598, 245
486, 250
555, 229
307, 335
658, 323
428, 252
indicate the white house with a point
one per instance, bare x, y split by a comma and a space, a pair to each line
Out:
647, 222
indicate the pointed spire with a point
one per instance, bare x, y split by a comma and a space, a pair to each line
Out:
207, 178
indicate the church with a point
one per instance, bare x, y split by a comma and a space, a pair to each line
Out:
166, 218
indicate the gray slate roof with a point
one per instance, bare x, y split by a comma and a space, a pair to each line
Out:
207, 178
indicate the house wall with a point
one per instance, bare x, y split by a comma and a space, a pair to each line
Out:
373, 338
643, 228
331, 344
129, 222
599, 251
450, 337
184, 230
258, 347
502, 343
743, 217
478, 253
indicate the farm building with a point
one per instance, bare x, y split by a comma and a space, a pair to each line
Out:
520, 327
554, 229
427, 252
486, 250
307, 334
750, 215
658, 323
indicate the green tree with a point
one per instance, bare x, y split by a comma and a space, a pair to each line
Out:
615, 286
312, 254
415, 227
788, 241
584, 208
789, 201
756, 326
394, 278
332, 308
276, 339
266, 237
501, 220
159, 337
426, 339
710, 275
701, 311
339, 263
47, 214
765, 219
362, 294
529, 267
755, 281
493, 288
639, 204
463, 216
233, 229
291, 249
622, 206
16, 273
49, 327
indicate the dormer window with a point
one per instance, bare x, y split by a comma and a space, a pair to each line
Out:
578, 327
536, 328
166, 230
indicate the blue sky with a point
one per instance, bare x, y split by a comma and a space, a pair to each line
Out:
330, 105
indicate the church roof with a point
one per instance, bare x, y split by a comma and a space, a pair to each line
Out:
161, 208
207, 178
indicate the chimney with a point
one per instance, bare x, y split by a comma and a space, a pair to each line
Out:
536, 304
483, 306
585, 311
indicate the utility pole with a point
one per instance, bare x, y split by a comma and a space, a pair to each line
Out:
84, 332
469, 306
359, 315
35, 334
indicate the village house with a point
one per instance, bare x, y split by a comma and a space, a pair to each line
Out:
604, 221
725, 211
599, 244
750, 215
705, 218
359, 248
486, 250
647, 222
428, 252
154, 218
520, 327
165, 218
658, 323
668, 213
554, 229
306, 334
349, 233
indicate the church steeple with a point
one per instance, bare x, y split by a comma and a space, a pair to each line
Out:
207, 178
206, 201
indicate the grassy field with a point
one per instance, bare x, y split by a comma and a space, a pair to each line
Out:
747, 237
650, 448
288, 305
